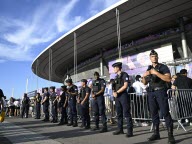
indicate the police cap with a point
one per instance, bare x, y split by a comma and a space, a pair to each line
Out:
64, 87
52, 87
46, 88
117, 64
69, 81
153, 52
84, 80
96, 73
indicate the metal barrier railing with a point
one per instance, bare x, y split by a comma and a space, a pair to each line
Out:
180, 104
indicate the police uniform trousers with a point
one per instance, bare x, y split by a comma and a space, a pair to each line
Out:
73, 110
123, 109
53, 109
46, 110
25, 110
63, 113
85, 114
158, 100
99, 110
38, 110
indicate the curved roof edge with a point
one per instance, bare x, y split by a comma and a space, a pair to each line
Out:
80, 25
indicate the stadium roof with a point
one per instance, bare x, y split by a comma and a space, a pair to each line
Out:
138, 18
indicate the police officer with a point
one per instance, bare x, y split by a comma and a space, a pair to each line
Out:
98, 88
122, 100
72, 93
25, 106
63, 102
83, 100
53, 105
157, 76
38, 106
45, 103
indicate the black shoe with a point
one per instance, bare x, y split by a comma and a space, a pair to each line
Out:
95, 128
82, 126
43, 120
61, 123
118, 132
154, 137
55, 121
46, 120
36, 118
65, 123
104, 129
75, 125
87, 127
70, 124
171, 139
129, 132
52, 121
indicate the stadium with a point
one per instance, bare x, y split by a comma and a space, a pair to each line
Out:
123, 32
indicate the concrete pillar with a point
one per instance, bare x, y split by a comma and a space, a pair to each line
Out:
101, 65
183, 37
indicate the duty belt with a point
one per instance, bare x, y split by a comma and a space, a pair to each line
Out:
158, 88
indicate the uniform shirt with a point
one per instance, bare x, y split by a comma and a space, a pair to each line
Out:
101, 82
46, 95
124, 78
52, 96
73, 89
62, 97
139, 87
183, 82
86, 90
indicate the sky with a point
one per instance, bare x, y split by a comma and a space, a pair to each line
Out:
27, 27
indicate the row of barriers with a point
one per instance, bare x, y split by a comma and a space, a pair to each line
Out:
180, 106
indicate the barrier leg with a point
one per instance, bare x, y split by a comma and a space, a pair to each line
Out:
151, 127
180, 124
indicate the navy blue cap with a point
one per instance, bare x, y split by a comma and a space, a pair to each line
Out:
69, 81
52, 87
117, 64
84, 80
96, 73
46, 88
64, 87
153, 52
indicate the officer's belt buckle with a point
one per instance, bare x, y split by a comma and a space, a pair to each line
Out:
158, 88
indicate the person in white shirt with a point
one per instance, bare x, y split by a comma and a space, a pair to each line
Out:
138, 85
139, 100
17, 107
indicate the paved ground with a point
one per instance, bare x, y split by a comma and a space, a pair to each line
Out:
30, 131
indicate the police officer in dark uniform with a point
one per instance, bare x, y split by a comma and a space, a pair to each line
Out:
45, 103
122, 100
25, 106
53, 105
63, 103
83, 100
72, 93
158, 76
98, 88
38, 106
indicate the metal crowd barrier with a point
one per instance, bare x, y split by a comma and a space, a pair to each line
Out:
180, 104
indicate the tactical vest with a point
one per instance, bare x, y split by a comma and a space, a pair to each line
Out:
155, 81
118, 82
25, 101
38, 99
96, 85
62, 97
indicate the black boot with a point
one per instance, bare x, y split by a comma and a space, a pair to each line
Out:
104, 129
70, 124
118, 132
95, 128
156, 135
75, 124
129, 132
171, 139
